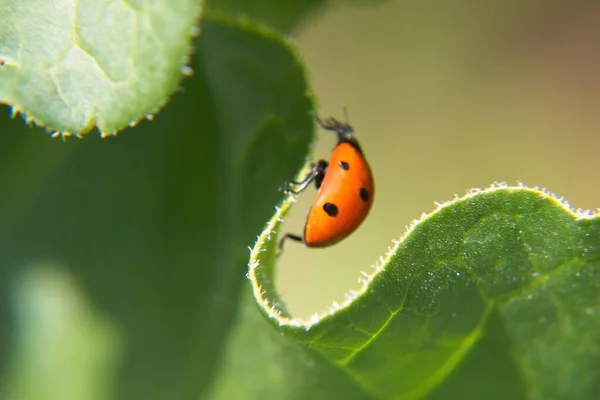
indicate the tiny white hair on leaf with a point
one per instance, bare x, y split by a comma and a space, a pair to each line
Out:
270, 302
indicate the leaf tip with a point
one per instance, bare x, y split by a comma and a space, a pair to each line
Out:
187, 71
195, 31
62, 134
105, 135
13, 112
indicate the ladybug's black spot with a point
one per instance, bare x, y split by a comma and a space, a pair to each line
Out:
345, 166
364, 194
331, 209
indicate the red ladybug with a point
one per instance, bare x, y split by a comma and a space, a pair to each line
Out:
345, 191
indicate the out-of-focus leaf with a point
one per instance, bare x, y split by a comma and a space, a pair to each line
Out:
64, 349
154, 224
260, 363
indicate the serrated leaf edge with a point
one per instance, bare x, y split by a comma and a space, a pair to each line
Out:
185, 70
270, 308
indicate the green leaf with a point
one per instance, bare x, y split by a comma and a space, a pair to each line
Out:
507, 276
260, 363
154, 225
70, 66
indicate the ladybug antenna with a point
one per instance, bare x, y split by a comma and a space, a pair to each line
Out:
343, 129
345, 111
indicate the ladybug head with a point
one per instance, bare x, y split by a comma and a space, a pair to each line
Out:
344, 131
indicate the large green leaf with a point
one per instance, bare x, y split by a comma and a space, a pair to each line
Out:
495, 295
153, 225
72, 65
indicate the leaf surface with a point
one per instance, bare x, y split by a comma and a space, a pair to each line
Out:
71, 65
153, 226
507, 274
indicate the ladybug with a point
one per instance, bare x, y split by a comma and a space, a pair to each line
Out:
345, 191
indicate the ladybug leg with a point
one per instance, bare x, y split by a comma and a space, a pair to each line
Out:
316, 174
320, 169
291, 236
287, 187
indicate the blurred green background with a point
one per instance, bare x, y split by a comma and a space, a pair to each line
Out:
444, 97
